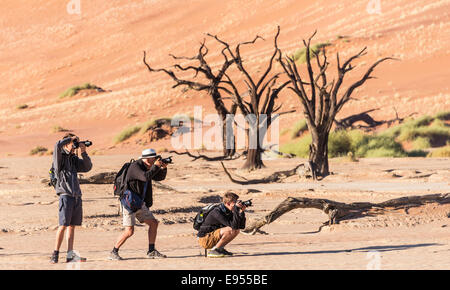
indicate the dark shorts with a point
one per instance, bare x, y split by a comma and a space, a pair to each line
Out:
70, 211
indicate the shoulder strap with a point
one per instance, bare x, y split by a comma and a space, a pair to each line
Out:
145, 190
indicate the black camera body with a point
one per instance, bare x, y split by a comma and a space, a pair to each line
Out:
76, 143
167, 160
246, 203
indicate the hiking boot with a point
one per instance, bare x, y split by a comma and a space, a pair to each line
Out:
215, 253
54, 258
155, 255
73, 257
114, 256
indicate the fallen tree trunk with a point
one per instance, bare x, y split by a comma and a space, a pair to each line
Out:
338, 211
206, 158
108, 178
302, 170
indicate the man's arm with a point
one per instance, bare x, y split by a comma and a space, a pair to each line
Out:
136, 173
160, 175
219, 219
238, 219
57, 153
84, 164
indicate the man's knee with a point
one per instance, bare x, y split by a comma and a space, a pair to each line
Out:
129, 231
152, 222
228, 231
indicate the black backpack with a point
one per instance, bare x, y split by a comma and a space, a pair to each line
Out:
53, 180
119, 181
52, 175
202, 214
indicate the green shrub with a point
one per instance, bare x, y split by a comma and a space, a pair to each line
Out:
38, 150
299, 148
339, 143
440, 152
147, 125
417, 153
126, 134
443, 115
57, 129
300, 55
383, 152
421, 143
22, 107
379, 146
284, 131
74, 90
434, 132
298, 129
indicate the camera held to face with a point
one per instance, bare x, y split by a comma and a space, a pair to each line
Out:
167, 160
76, 143
246, 203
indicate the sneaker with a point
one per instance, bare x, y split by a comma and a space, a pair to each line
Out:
114, 256
215, 253
54, 258
226, 253
73, 257
155, 255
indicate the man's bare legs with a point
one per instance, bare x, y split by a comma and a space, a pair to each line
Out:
152, 230
227, 234
129, 231
59, 237
70, 238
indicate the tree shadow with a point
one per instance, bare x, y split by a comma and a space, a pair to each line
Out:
388, 248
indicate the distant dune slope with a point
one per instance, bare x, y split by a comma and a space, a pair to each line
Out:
44, 50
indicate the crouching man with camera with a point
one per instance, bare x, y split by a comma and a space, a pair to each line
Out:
66, 165
222, 225
138, 182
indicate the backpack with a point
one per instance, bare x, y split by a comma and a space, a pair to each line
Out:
119, 181
202, 214
53, 178
131, 201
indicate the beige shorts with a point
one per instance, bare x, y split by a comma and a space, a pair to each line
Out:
210, 240
142, 215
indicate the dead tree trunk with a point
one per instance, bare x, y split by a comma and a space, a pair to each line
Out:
320, 103
261, 96
213, 83
338, 211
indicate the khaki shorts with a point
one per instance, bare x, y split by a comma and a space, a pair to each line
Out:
210, 240
142, 215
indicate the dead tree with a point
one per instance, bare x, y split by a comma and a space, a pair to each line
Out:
213, 85
320, 98
204, 157
338, 211
108, 178
261, 95
302, 169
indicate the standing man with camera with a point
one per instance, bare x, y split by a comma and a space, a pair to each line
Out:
138, 181
66, 166
222, 225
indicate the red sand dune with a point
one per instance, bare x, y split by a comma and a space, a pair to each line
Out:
44, 50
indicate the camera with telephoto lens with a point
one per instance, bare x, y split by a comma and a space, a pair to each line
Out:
246, 203
76, 143
167, 160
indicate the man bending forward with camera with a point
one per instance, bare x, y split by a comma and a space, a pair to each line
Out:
222, 225
139, 180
